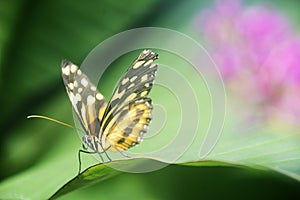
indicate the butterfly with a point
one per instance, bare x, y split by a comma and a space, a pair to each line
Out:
120, 123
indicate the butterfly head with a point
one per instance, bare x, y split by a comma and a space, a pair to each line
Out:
91, 142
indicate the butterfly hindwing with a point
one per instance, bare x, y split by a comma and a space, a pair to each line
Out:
131, 125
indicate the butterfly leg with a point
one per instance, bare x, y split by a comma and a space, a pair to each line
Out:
104, 151
79, 157
121, 152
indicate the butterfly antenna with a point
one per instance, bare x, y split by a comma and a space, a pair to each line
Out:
50, 119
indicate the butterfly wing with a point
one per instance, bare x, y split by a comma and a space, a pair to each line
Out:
88, 104
128, 112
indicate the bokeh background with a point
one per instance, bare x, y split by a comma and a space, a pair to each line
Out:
36, 35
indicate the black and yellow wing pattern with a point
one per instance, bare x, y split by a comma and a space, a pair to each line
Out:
122, 122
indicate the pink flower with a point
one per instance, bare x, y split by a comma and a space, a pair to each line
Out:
258, 55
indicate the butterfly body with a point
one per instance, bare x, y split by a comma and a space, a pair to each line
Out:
120, 123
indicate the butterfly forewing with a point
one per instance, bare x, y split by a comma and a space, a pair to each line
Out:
128, 112
88, 104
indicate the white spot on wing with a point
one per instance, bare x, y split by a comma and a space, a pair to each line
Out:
90, 99
66, 70
79, 90
125, 80
73, 68
138, 64
75, 83
146, 51
133, 78
93, 88
84, 82
71, 86
148, 62
130, 86
139, 139
151, 66
77, 98
99, 96
118, 95
131, 97
79, 72
144, 93
144, 78
147, 104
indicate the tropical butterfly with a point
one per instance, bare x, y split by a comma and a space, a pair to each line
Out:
122, 122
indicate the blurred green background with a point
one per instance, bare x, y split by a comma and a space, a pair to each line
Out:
35, 36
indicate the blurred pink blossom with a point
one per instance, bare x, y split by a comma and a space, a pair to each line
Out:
258, 54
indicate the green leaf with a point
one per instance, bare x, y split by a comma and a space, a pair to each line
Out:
90, 176
100, 172
185, 182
